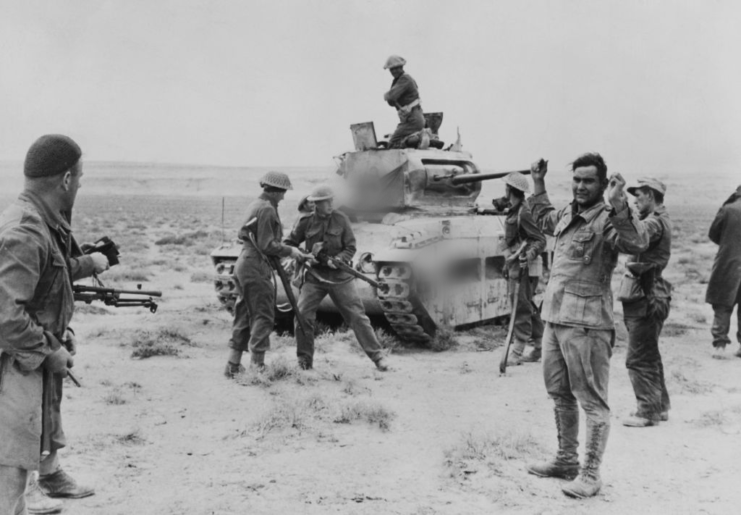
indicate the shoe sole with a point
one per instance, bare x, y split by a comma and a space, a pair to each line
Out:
44, 512
565, 476
574, 495
70, 496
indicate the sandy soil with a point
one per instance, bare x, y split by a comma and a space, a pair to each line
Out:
169, 434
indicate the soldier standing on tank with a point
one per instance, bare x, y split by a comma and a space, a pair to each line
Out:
326, 231
577, 308
646, 296
724, 286
519, 228
404, 96
254, 311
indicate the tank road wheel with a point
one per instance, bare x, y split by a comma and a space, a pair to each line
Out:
401, 304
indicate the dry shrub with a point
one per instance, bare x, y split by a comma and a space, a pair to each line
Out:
688, 385
371, 412
287, 414
165, 341
114, 398
279, 370
201, 277
443, 340
491, 451
714, 418
131, 438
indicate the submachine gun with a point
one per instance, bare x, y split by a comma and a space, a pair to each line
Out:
111, 296
320, 254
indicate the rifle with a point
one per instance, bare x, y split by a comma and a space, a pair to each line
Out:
513, 315
322, 257
274, 263
117, 298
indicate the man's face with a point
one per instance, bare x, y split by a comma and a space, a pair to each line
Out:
587, 187
280, 195
644, 201
323, 207
396, 71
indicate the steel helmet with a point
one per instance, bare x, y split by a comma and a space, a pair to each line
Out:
321, 193
517, 181
393, 62
276, 180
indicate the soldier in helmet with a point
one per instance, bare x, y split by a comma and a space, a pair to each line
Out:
326, 231
254, 312
520, 228
404, 96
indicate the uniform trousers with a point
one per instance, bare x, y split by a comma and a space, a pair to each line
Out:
254, 311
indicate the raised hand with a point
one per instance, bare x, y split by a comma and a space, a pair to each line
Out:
615, 194
538, 170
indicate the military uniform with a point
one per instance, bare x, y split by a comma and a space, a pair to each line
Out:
644, 318
335, 232
520, 227
254, 311
404, 96
724, 286
36, 306
579, 333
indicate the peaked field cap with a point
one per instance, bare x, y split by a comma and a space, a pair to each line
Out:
648, 182
518, 181
51, 155
276, 180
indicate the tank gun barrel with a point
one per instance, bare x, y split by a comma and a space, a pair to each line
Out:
466, 178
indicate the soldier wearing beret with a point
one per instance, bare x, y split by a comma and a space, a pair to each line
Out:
37, 267
327, 230
254, 312
645, 295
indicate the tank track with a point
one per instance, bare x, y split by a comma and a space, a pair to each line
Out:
402, 305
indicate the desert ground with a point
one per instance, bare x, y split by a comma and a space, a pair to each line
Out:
158, 429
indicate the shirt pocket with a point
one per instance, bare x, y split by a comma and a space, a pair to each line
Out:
581, 246
582, 304
333, 238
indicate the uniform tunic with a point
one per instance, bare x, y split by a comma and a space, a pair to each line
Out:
337, 235
519, 227
644, 319
724, 286
403, 92
254, 311
36, 305
578, 300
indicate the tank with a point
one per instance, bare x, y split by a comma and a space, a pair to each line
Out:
420, 234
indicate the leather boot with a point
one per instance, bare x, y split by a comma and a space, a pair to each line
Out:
257, 361
533, 357
37, 502
588, 483
61, 484
566, 463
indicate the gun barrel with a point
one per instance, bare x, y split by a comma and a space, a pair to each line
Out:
478, 177
78, 289
350, 270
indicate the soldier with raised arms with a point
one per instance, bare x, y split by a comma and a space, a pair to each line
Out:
254, 312
578, 311
327, 232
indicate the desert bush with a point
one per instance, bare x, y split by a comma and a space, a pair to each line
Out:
489, 450
386, 339
286, 414
371, 412
127, 275
114, 398
443, 340
165, 341
131, 438
279, 370
687, 384
201, 277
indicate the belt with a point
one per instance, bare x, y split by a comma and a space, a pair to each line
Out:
408, 108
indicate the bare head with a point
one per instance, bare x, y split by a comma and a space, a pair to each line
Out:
53, 170
589, 180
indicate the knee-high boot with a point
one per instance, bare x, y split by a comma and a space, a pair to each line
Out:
566, 463
588, 483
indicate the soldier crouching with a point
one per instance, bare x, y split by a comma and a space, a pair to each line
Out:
328, 231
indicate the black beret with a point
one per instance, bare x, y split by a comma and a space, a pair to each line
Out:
51, 155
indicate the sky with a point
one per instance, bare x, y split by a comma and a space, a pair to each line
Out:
655, 86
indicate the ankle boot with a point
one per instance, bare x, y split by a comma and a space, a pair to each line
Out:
588, 483
566, 463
